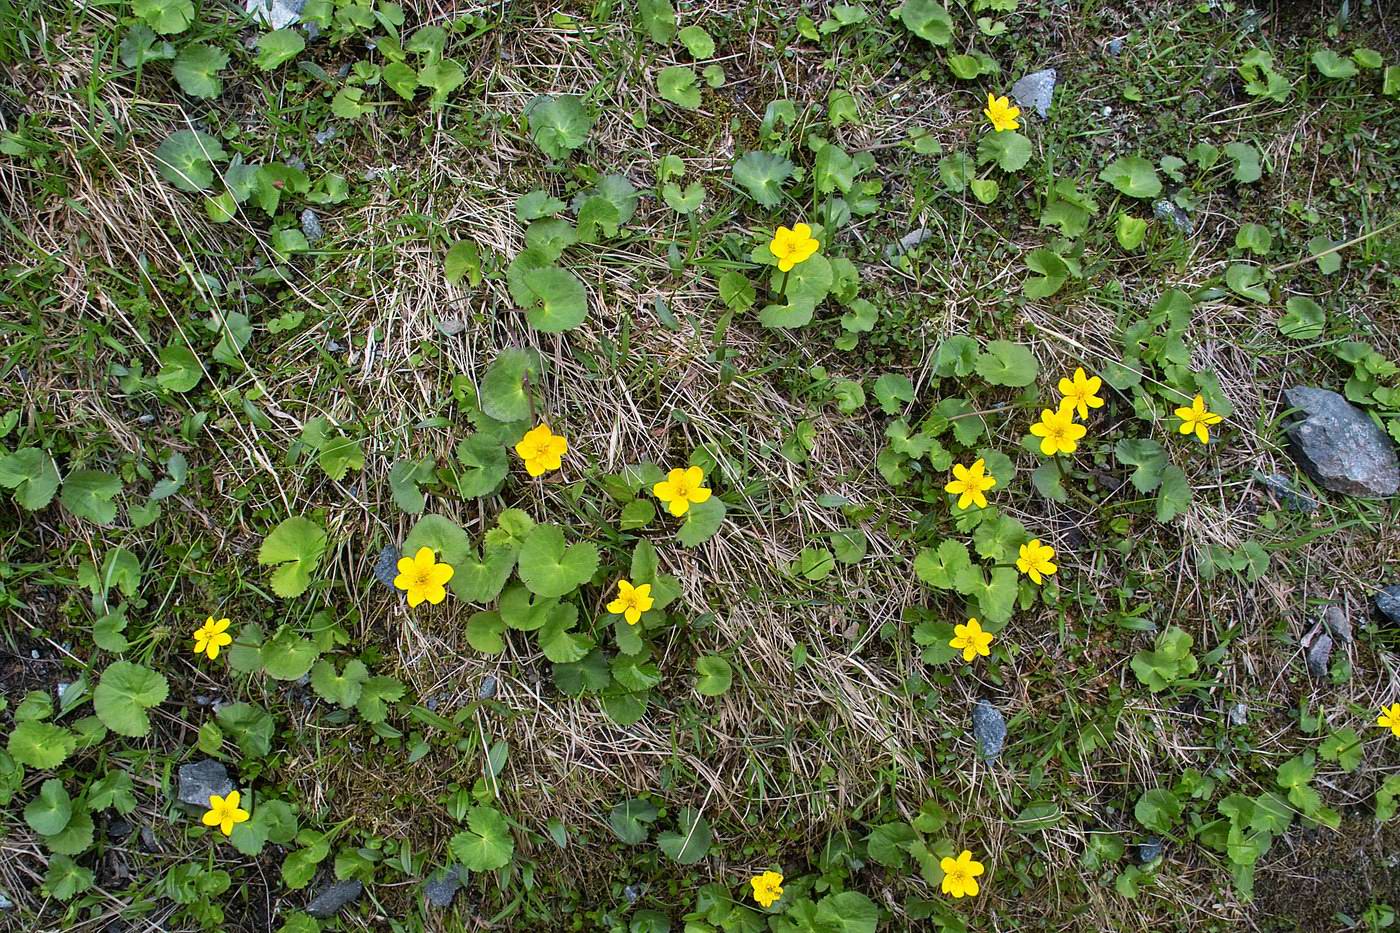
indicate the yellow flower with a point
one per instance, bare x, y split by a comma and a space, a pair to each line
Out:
681, 489
1057, 431
224, 812
1197, 419
1000, 114
211, 636
1035, 560
423, 577
960, 875
971, 483
631, 601
971, 640
1390, 718
793, 246
767, 888
542, 450
1080, 393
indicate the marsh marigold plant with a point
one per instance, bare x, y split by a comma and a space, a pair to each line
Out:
971, 640
1001, 114
1080, 392
793, 247
681, 489
970, 484
631, 601
960, 875
211, 636
1390, 719
542, 450
423, 577
1036, 561
1197, 419
767, 888
1058, 431
224, 812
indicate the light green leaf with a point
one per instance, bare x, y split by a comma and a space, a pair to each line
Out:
41, 745
762, 174
287, 656
1303, 320
559, 124
486, 844
503, 393
186, 157
927, 20
89, 494
296, 545
1134, 176
548, 567
123, 695
166, 17
561, 302
715, 675
697, 42
1130, 231
1008, 149
278, 46
197, 67
679, 85
342, 689
701, 522
1329, 64
1004, 363
50, 810
31, 473
690, 841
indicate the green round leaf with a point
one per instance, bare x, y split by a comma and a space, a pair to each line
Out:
559, 124
629, 820
296, 545
560, 300
1134, 176
503, 393
124, 694
690, 841
679, 85
549, 568
485, 464
715, 675
486, 844
49, 812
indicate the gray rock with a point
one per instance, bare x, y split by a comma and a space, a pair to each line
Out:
1340, 446
1288, 495
201, 780
1115, 47
1150, 850
1335, 618
488, 687
311, 226
1035, 91
1319, 654
118, 829
1388, 603
334, 898
441, 888
324, 136
989, 729
632, 892
275, 13
1166, 209
1239, 714
386, 568
6, 903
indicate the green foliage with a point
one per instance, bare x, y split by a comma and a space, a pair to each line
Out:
125, 693
559, 124
1169, 661
295, 547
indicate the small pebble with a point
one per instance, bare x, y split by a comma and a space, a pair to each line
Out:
1388, 604
386, 568
488, 687
632, 892
989, 729
311, 226
324, 136
1239, 714
1337, 623
1150, 850
1115, 47
1319, 654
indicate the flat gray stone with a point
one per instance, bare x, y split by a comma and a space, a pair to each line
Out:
334, 898
441, 888
275, 13
1335, 618
1166, 209
1239, 714
1388, 604
1035, 91
1319, 654
311, 226
989, 729
1340, 446
1150, 850
200, 780
1287, 494
386, 568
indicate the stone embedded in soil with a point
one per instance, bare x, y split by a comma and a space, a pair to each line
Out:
441, 888
1150, 850
1035, 91
386, 568
200, 780
1168, 210
334, 898
989, 729
1239, 714
488, 687
311, 226
1340, 446
1388, 603
1319, 654
1288, 495
1335, 618
275, 13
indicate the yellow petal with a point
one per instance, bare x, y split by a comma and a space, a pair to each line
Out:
424, 558
700, 495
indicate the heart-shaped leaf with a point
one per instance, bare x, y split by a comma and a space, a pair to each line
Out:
1134, 176
549, 567
560, 300
486, 844
678, 84
503, 392
123, 695
559, 124
296, 545
31, 473
197, 68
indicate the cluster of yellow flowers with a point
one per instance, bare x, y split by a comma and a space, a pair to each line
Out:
959, 880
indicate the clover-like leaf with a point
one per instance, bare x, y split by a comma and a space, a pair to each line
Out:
89, 494
927, 20
342, 689
560, 300
1054, 272
375, 696
1331, 65
762, 174
278, 46
630, 820
559, 124
166, 17
197, 68
31, 473
1004, 363
715, 675
186, 157
1134, 176
124, 694
140, 45
486, 844
443, 77
503, 392
690, 841
550, 567
296, 546
678, 84
557, 639
484, 464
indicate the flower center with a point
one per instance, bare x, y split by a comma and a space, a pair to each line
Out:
682, 489
424, 578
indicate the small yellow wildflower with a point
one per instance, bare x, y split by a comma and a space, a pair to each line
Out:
1000, 114
960, 875
793, 247
767, 888
1197, 419
1035, 560
681, 489
971, 640
423, 577
1081, 392
542, 450
1057, 431
970, 484
224, 812
211, 636
631, 601
1390, 719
